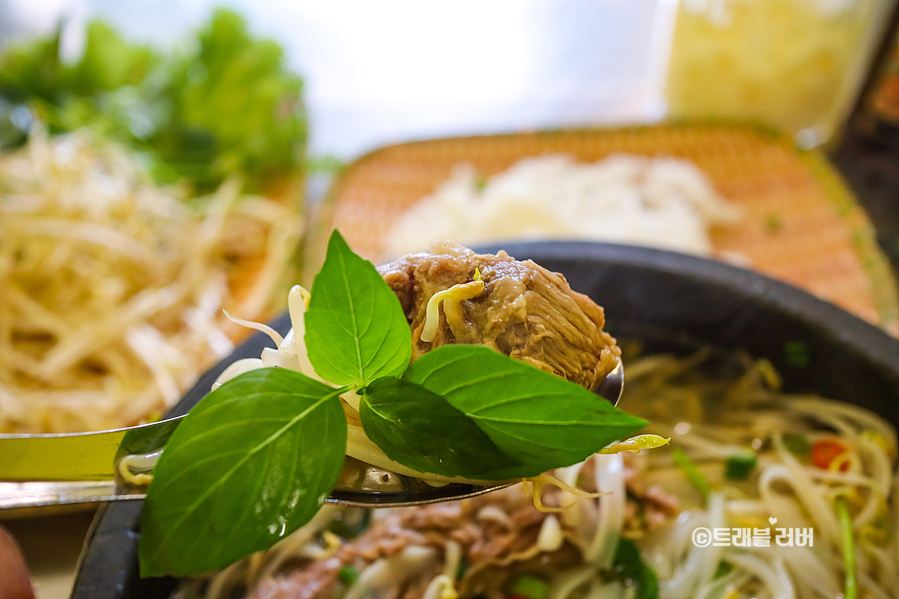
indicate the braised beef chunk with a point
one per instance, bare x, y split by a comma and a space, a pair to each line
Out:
524, 311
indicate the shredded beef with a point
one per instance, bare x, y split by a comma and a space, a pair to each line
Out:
651, 505
482, 542
525, 311
496, 532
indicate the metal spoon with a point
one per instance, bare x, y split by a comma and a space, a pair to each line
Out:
51, 470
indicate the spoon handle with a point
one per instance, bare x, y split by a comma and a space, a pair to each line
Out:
39, 471
39, 494
78, 456
32, 495
48, 470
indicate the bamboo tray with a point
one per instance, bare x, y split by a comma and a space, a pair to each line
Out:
801, 224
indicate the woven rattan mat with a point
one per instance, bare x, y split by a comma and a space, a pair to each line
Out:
801, 224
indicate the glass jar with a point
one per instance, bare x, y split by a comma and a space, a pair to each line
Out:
878, 117
795, 65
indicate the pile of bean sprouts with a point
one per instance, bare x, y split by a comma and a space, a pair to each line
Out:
113, 288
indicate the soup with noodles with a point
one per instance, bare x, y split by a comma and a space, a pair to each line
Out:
761, 493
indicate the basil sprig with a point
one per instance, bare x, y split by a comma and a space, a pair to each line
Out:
254, 460
495, 408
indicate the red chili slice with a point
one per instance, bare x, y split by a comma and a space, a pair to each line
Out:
825, 451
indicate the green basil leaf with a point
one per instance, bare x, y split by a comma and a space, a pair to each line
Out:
356, 331
537, 417
250, 464
422, 430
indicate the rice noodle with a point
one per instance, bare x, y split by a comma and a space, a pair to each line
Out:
771, 573
701, 563
389, 572
568, 582
662, 202
609, 471
812, 576
798, 495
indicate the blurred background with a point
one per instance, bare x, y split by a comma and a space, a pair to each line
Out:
381, 73
227, 143
377, 73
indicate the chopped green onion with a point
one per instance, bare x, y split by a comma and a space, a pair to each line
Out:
773, 222
691, 472
348, 575
463, 568
739, 466
724, 568
798, 445
528, 586
797, 354
848, 542
629, 565
349, 528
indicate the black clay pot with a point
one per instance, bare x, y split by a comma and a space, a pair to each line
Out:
669, 300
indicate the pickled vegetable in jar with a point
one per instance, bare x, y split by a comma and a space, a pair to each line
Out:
794, 65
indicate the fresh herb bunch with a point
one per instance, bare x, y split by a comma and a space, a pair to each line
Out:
227, 106
254, 460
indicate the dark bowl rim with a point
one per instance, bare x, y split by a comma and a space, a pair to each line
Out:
772, 292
